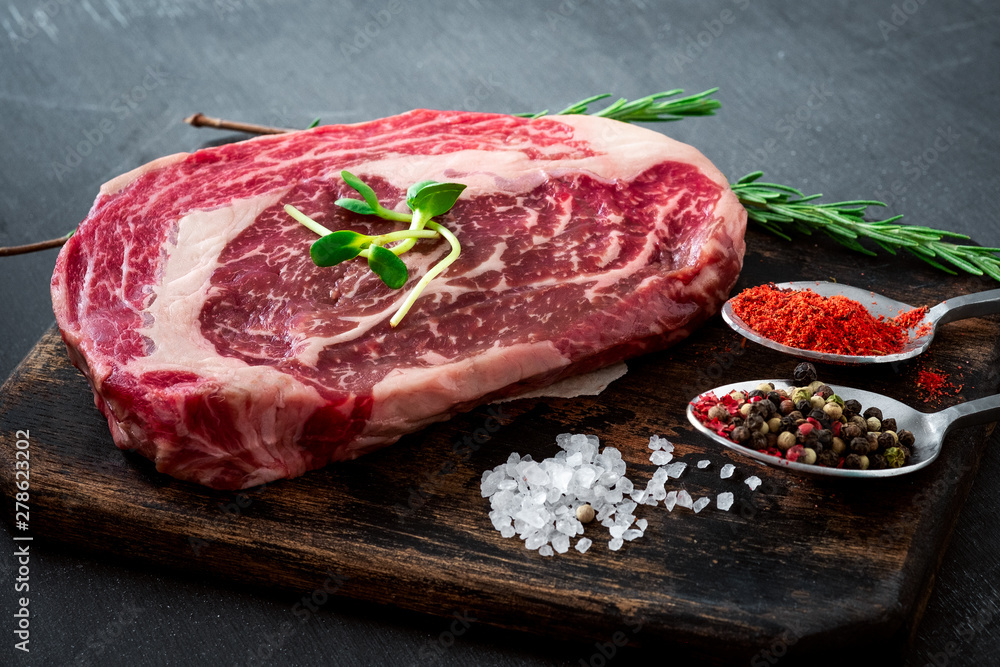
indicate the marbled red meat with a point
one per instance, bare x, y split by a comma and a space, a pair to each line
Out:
218, 350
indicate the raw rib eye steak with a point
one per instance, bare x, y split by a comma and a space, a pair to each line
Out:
218, 350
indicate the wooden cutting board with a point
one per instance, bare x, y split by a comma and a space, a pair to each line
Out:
801, 565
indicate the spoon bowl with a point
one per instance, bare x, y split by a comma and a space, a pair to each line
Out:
929, 429
972, 305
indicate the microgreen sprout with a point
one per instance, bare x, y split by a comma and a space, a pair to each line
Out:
426, 200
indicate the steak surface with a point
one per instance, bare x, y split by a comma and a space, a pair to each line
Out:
217, 349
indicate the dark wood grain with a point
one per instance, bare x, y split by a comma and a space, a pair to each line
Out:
809, 562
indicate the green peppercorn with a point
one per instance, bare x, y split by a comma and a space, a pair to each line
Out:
838, 446
827, 458
836, 399
905, 438
873, 412
852, 461
740, 434
864, 462
804, 373
786, 440
833, 411
888, 424
874, 424
894, 457
808, 456
813, 386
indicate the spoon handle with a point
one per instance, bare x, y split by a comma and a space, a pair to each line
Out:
979, 411
970, 305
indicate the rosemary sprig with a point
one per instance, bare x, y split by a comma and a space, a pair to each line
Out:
781, 209
646, 109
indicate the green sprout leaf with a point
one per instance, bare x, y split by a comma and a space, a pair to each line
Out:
433, 199
387, 266
363, 189
313, 124
338, 247
356, 205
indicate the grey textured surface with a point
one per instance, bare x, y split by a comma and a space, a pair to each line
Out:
856, 100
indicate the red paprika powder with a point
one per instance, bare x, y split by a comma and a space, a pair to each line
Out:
835, 324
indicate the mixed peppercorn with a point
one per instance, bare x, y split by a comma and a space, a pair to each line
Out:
807, 423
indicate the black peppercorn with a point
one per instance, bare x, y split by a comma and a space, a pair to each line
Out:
852, 462
787, 424
888, 424
795, 415
827, 458
851, 431
873, 412
906, 453
755, 393
758, 440
772, 440
805, 407
775, 398
740, 434
876, 462
885, 440
905, 438
825, 436
825, 391
804, 373
853, 407
754, 422
861, 446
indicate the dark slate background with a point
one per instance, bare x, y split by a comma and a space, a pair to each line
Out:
864, 99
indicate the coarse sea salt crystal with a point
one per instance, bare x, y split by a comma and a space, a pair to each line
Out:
545, 551
700, 504
724, 501
615, 544
727, 471
704, 463
753, 482
684, 499
656, 442
670, 501
617, 531
631, 534
675, 470
583, 544
641, 524
560, 543
660, 458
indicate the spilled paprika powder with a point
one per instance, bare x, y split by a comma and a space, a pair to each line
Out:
835, 324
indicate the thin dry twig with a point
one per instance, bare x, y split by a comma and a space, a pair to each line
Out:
201, 120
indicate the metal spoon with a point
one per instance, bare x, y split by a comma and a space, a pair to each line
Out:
971, 305
928, 429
